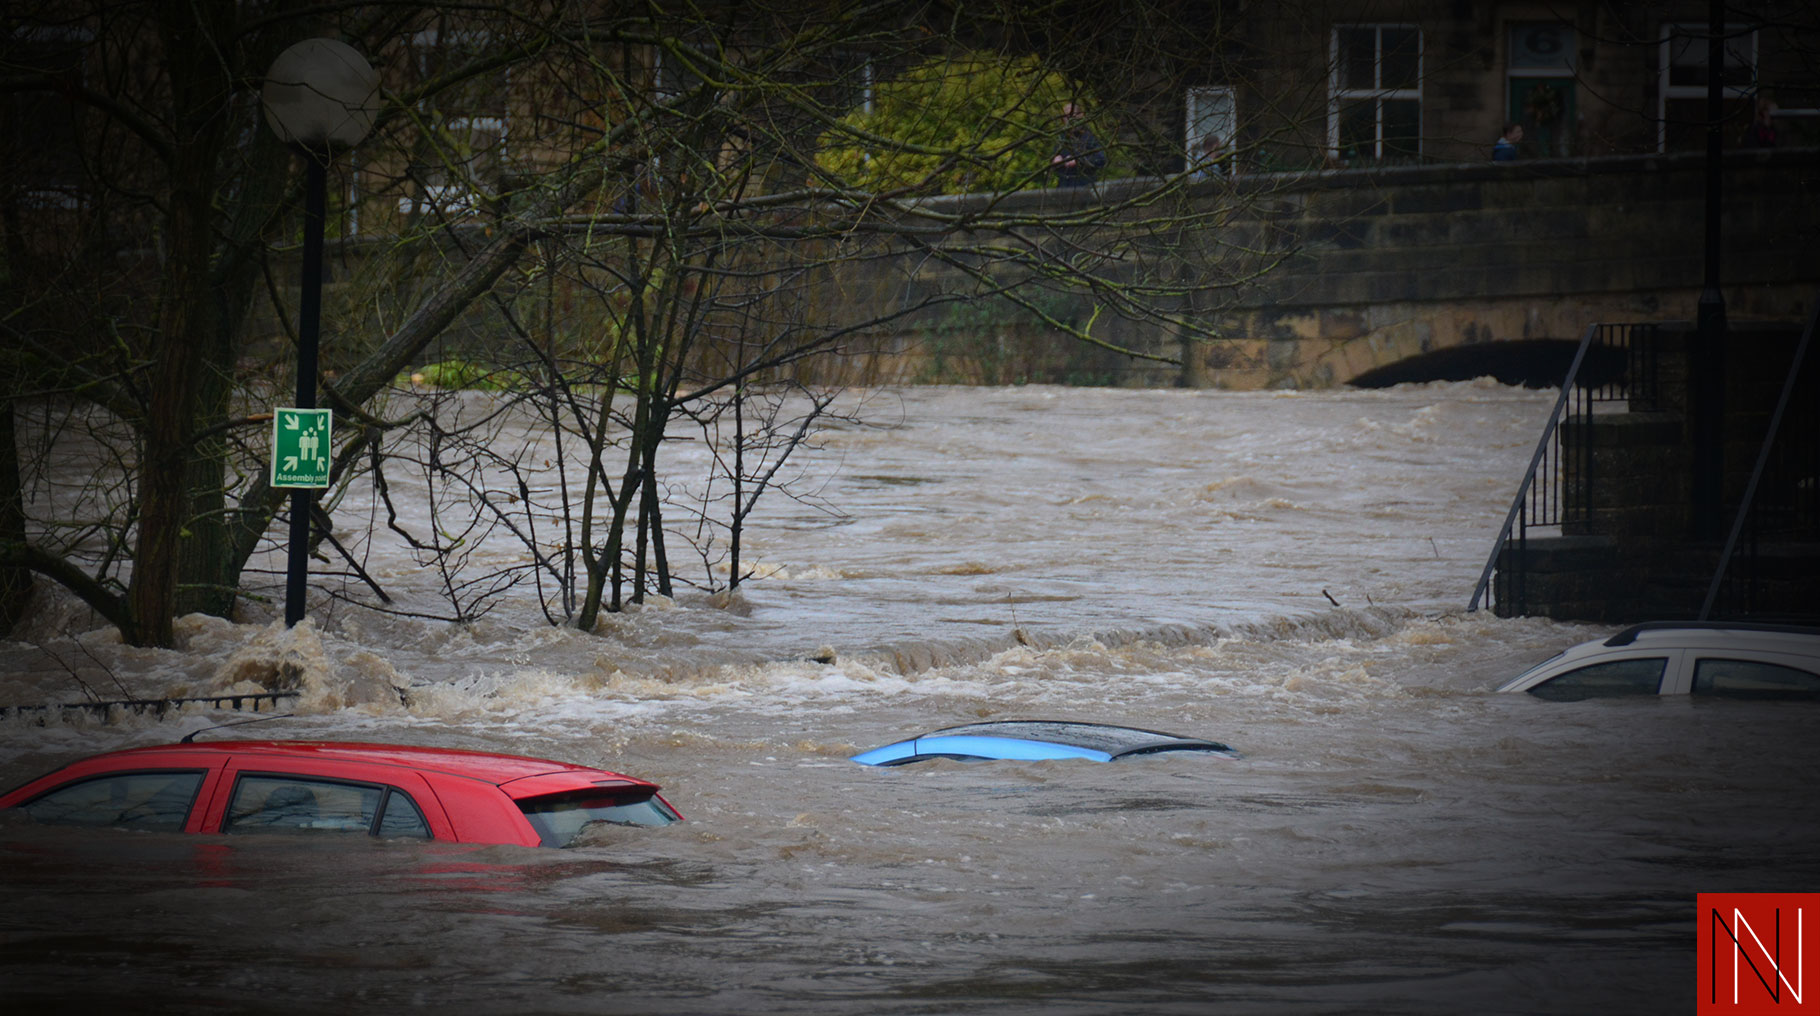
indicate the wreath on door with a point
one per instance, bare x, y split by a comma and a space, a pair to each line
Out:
1544, 105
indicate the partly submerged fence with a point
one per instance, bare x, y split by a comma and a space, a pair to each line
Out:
245, 701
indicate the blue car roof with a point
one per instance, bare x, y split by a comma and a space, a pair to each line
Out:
1032, 740
969, 747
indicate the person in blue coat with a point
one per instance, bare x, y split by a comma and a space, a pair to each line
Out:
1506, 148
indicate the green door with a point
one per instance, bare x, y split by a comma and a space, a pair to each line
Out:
1545, 108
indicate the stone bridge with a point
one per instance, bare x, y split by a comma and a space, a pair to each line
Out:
1448, 271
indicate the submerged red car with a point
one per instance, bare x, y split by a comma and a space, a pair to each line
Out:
333, 787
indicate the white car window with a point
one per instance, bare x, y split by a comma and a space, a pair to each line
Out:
1641, 676
1753, 679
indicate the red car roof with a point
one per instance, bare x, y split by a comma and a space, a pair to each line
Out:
489, 767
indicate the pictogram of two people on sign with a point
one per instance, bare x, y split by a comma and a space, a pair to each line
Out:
309, 442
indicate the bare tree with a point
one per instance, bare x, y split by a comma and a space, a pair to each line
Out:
625, 212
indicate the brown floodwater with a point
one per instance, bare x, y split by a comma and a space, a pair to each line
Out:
1285, 572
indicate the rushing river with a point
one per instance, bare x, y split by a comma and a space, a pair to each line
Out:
1284, 572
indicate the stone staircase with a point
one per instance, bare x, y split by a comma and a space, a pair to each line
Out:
1618, 545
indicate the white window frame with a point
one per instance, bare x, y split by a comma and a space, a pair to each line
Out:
1570, 63
53, 33
431, 38
662, 67
351, 219
865, 73
457, 198
1227, 127
450, 199
1338, 96
1666, 92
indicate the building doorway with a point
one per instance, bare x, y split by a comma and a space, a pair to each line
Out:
1539, 91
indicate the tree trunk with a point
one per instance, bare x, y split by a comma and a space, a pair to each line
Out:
206, 578
186, 322
15, 581
653, 518
208, 568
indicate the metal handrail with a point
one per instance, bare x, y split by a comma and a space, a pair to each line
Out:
1763, 453
1562, 493
1543, 496
1529, 475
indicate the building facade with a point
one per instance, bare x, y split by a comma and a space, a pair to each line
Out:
1349, 84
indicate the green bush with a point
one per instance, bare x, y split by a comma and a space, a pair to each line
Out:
978, 122
465, 374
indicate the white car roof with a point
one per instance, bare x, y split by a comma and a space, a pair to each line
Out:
1718, 635
1667, 636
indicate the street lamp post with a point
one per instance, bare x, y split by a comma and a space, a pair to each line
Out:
320, 96
1708, 359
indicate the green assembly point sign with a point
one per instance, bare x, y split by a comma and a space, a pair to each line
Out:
300, 447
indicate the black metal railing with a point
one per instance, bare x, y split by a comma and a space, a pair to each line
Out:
1780, 504
244, 701
1615, 363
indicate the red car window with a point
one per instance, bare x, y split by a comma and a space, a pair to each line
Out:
348, 796
263, 802
560, 818
400, 818
286, 803
158, 799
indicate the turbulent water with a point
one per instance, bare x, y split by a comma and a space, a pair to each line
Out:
1285, 572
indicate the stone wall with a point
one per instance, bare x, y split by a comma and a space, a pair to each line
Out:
1382, 265
1367, 268
1401, 262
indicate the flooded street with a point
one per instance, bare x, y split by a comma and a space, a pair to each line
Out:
1284, 572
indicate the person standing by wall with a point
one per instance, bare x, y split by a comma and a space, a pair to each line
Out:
1080, 157
1762, 130
1212, 162
1506, 148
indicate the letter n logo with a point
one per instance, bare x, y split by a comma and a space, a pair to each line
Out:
1753, 951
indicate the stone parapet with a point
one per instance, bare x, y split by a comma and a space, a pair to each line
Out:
1377, 266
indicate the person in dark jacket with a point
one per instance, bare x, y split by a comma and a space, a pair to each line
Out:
1081, 156
1762, 130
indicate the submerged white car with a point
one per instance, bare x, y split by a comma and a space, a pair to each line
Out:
1732, 659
